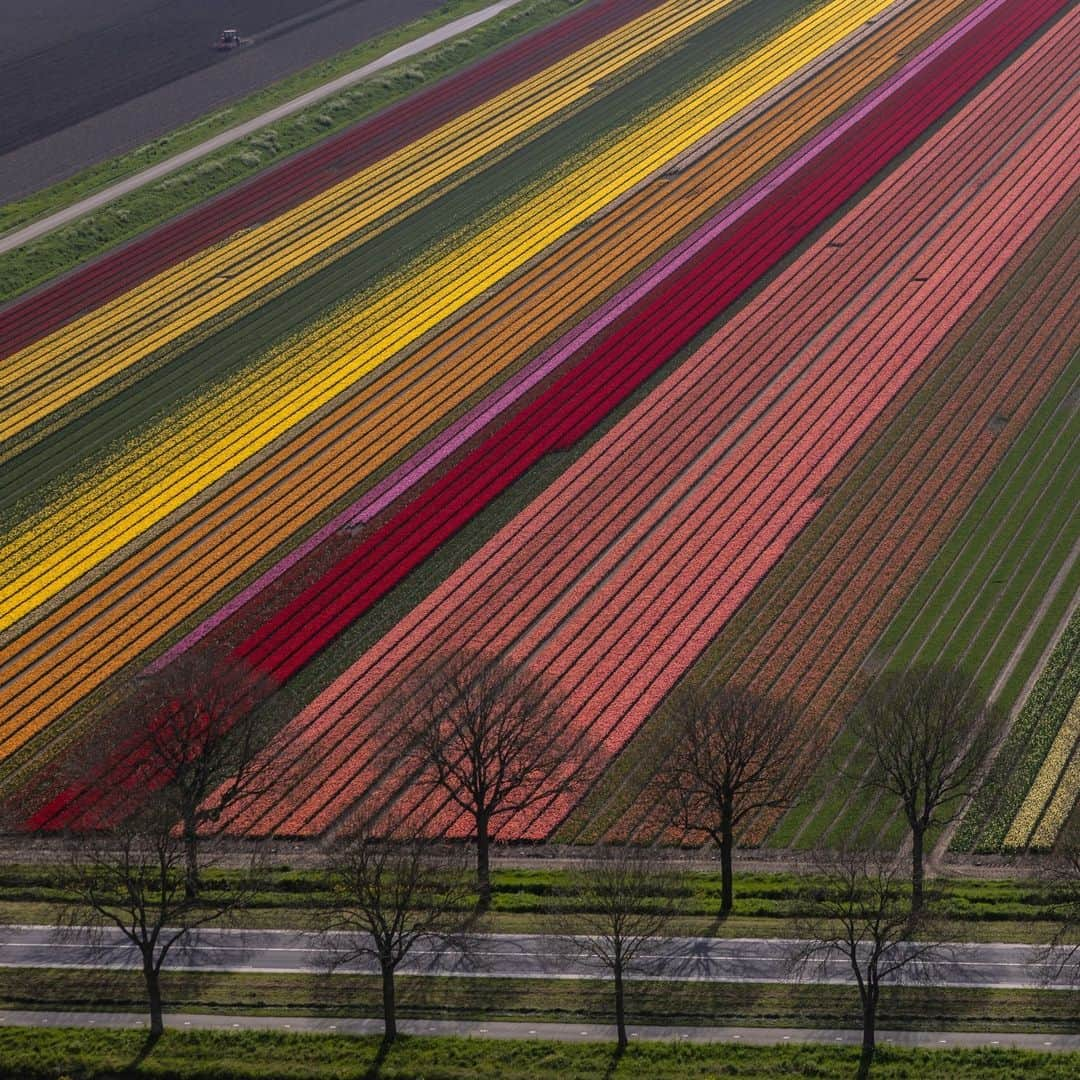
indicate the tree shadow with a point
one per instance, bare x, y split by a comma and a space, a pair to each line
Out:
613, 1064
145, 1051
374, 1070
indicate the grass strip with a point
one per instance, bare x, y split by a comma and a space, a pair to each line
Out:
538, 1000
531, 899
66, 247
33, 1054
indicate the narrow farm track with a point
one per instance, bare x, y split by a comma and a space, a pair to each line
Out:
55, 549
108, 623
59, 368
905, 493
337, 727
310, 173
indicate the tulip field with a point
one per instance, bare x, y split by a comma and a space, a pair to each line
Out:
693, 339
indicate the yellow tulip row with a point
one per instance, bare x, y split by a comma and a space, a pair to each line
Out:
290, 385
55, 370
1054, 791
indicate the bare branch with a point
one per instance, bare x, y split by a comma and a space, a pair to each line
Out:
926, 732
627, 896
491, 737
734, 752
857, 910
391, 893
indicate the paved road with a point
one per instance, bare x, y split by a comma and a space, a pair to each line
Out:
582, 1032
164, 168
520, 955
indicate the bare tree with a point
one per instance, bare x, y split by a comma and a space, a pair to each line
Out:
1061, 955
734, 753
491, 737
926, 731
627, 896
192, 728
390, 894
857, 910
131, 879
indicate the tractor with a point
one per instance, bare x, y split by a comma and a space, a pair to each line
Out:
231, 39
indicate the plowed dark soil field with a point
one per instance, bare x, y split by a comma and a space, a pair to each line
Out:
63, 61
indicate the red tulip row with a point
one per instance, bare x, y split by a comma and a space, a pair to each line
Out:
307, 174
587, 632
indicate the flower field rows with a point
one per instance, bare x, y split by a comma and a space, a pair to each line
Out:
99, 634
694, 186
142, 318
589, 638
884, 518
382, 572
55, 548
828, 226
285, 186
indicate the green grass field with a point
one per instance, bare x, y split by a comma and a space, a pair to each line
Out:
37, 1055
766, 905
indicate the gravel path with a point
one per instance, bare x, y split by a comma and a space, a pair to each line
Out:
578, 1033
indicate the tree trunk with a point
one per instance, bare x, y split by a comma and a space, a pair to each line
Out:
620, 1007
917, 837
483, 863
727, 845
153, 993
191, 863
389, 1003
869, 1035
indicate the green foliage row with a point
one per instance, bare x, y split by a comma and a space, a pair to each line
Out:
993, 810
529, 891
33, 1054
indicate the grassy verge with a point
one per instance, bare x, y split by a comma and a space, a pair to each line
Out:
532, 900
540, 1000
27, 266
31, 1054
